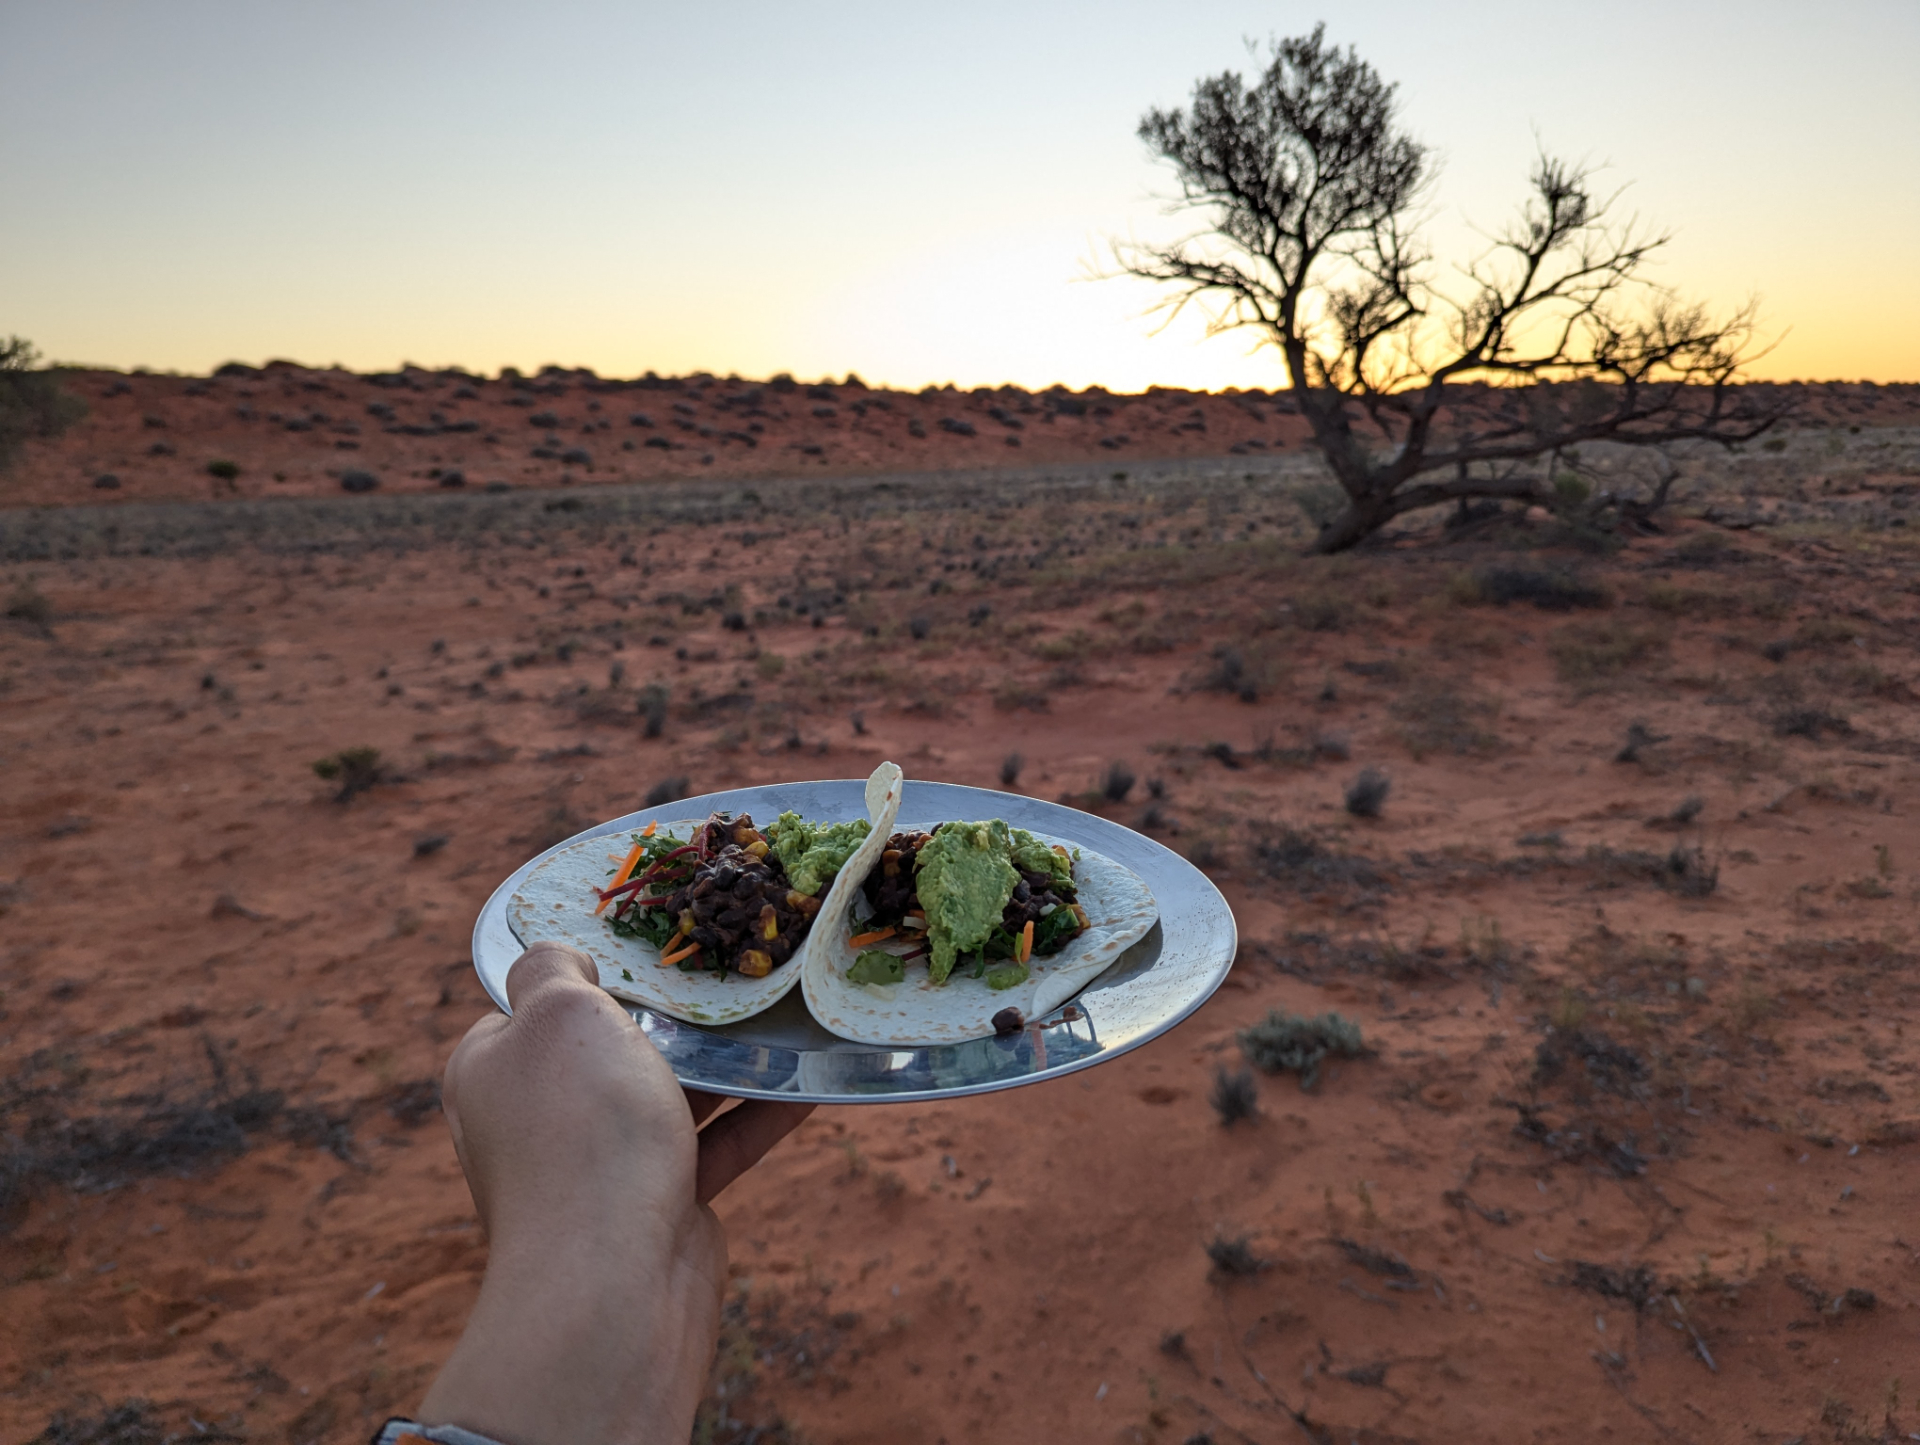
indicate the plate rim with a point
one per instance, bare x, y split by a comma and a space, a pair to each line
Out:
495, 910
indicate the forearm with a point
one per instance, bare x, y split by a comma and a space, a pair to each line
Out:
586, 1341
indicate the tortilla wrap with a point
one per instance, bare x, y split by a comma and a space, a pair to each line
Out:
556, 902
1120, 912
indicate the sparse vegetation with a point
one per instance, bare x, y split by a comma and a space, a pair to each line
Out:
27, 603
1443, 717
1367, 794
1550, 591
1235, 1096
1116, 784
1591, 655
1291, 1043
354, 769
652, 706
33, 403
667, 790
1234, 1257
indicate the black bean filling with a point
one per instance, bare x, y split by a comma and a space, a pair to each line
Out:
742, 908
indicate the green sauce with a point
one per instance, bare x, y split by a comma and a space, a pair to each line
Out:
811, 855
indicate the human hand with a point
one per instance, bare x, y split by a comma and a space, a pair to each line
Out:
601, 1305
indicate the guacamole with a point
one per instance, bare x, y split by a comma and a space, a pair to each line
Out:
1030, 855
811, 855
876, 965
964, 879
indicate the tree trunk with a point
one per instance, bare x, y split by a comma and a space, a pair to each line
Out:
1357, 521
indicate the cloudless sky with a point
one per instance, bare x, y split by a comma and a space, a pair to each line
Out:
916, 192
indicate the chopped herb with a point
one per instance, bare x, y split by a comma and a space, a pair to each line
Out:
627, 976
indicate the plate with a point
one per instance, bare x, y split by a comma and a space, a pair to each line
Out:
784, 1054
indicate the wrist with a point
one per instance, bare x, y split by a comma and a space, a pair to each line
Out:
581, 1339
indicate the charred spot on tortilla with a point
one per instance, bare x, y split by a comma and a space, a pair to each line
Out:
1009, 1021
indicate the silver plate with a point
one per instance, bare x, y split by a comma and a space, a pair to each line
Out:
784, 1054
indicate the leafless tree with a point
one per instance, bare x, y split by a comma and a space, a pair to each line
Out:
1421, 391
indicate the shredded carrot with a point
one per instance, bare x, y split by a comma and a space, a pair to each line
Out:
676, 955
1026, 942
626, 872
861, 940
647, 832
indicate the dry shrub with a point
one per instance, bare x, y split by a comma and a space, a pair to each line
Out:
1694, 602
355, 769
1589, 655
1550, 590
1295, 1044
1367, 794
29, 604
1235, 1095
1234, 1258
1443, 717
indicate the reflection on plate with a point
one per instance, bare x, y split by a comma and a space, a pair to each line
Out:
784, 1054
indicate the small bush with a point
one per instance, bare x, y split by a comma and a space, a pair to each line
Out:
1550, 591
919, 625
1588, 655
358, 482
33, 404
1010, 767
1235, 1257
1116, 783
1229, 674
1322, 611
1809, 723
1688, 872
667, 790
1367, 794
226, 471
652, 705
30, 605
1438, 717
1235, 1095
1304, 862
1297, 1044
1639, 736
355, 769
131, 1422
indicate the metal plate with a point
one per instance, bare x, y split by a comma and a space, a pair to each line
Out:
784, 1054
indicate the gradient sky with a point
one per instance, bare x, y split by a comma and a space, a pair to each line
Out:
914, 192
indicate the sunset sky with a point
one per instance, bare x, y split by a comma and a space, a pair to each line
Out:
915, 192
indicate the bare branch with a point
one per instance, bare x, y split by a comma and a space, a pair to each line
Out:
1550, 338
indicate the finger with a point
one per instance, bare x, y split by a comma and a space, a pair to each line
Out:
475, 1041
703, 1105
547, 963
735, 1142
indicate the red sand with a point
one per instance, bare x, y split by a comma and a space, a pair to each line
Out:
295, 431
1027, 1266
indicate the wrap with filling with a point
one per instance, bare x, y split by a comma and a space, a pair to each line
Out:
556, 902
1120, 910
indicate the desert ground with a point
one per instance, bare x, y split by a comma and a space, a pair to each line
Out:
1630, 1150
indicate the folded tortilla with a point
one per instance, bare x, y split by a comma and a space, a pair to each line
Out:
556, 901
1120, 912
